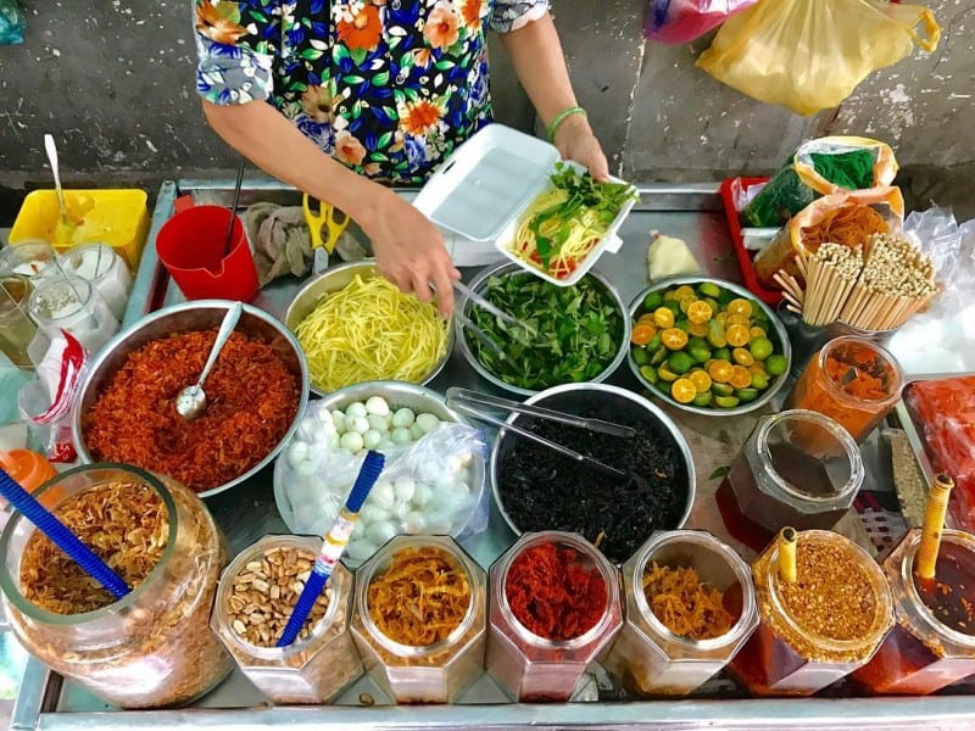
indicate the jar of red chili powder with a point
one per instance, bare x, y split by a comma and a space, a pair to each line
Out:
554, 606
932, 644
851, 380
690, 606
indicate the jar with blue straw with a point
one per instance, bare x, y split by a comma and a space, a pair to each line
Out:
144, 645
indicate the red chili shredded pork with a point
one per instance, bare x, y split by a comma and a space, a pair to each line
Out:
252, 398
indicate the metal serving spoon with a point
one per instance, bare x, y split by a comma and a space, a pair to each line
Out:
192, 401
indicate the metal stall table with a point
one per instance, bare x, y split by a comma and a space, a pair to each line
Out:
690, 212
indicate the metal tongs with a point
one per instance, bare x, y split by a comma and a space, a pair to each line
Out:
464, 400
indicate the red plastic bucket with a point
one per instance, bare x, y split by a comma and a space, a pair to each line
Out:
191, 245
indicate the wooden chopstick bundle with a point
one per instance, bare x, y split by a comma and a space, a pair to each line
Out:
879, 291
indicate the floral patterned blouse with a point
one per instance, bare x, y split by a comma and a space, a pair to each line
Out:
388, 87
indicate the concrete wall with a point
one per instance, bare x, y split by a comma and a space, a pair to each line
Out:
114, 80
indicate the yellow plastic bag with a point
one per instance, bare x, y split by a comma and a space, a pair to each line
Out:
887, 216
809, 55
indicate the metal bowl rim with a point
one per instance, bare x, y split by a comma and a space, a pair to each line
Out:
503, 268
780, 330
110, 347
637, 399
332, 270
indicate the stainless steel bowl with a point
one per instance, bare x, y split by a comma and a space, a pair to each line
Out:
188, 317
479, 285
570, 397
333, 280
779, 338
399, 395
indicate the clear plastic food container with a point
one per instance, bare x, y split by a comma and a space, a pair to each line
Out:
105, 269
534, 668
798, 468
932, 644
152, 648
314, 669
648, 657
791, 654
73, 304
435, 673
852, 380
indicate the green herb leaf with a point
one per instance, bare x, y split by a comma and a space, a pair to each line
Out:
720, 473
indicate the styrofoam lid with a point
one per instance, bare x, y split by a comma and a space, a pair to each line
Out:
489, 181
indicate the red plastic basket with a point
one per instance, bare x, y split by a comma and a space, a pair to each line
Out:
769, 296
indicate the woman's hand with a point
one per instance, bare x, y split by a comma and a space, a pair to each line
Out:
576, 141
410, 251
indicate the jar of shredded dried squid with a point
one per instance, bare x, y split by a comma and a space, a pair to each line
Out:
152, 648
420, 619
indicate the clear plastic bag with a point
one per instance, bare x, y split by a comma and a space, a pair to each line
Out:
681, 21
824, 166
433, 486
47, 403
809, 55
12, 23
939, 340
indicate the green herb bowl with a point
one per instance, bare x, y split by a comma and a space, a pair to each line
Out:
506, 269
778, 335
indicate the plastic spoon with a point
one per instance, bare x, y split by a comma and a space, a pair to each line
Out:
65, 227
192, 401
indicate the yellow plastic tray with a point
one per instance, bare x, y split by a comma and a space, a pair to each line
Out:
119, 218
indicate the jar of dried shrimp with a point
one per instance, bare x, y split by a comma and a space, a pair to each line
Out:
152, 648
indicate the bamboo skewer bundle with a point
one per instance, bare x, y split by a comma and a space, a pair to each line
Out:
879, 291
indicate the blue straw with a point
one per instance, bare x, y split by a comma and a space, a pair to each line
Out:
333, 547
61, 536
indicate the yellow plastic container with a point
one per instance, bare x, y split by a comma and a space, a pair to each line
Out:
119, 218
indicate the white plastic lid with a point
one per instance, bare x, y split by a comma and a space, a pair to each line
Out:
488, 182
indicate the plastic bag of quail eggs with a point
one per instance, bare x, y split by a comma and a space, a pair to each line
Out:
427, 486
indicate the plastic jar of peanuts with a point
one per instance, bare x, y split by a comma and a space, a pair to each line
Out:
420, 619
819, 628
554, 606
257, 594
152, 648
690, 606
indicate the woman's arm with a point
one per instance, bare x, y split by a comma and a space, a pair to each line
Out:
538, 59
409, 249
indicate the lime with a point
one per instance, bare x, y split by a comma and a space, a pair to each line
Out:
660, 356
776, 365
666, 374
724, 296
722, 389
654, 344
761, 348
759, 381
673, 306
721, 354
726, 402
683, 324
683, 391
709, 289
640, 356
703, 399
747, 394
699, 354
652, 301
680, 362
649, 373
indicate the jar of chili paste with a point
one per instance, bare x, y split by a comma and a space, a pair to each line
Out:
554, 607
690, 606
932, 644
420, 620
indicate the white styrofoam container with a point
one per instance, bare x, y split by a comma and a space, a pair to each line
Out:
482, 191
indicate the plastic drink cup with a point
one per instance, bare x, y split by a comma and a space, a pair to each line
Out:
191, 247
